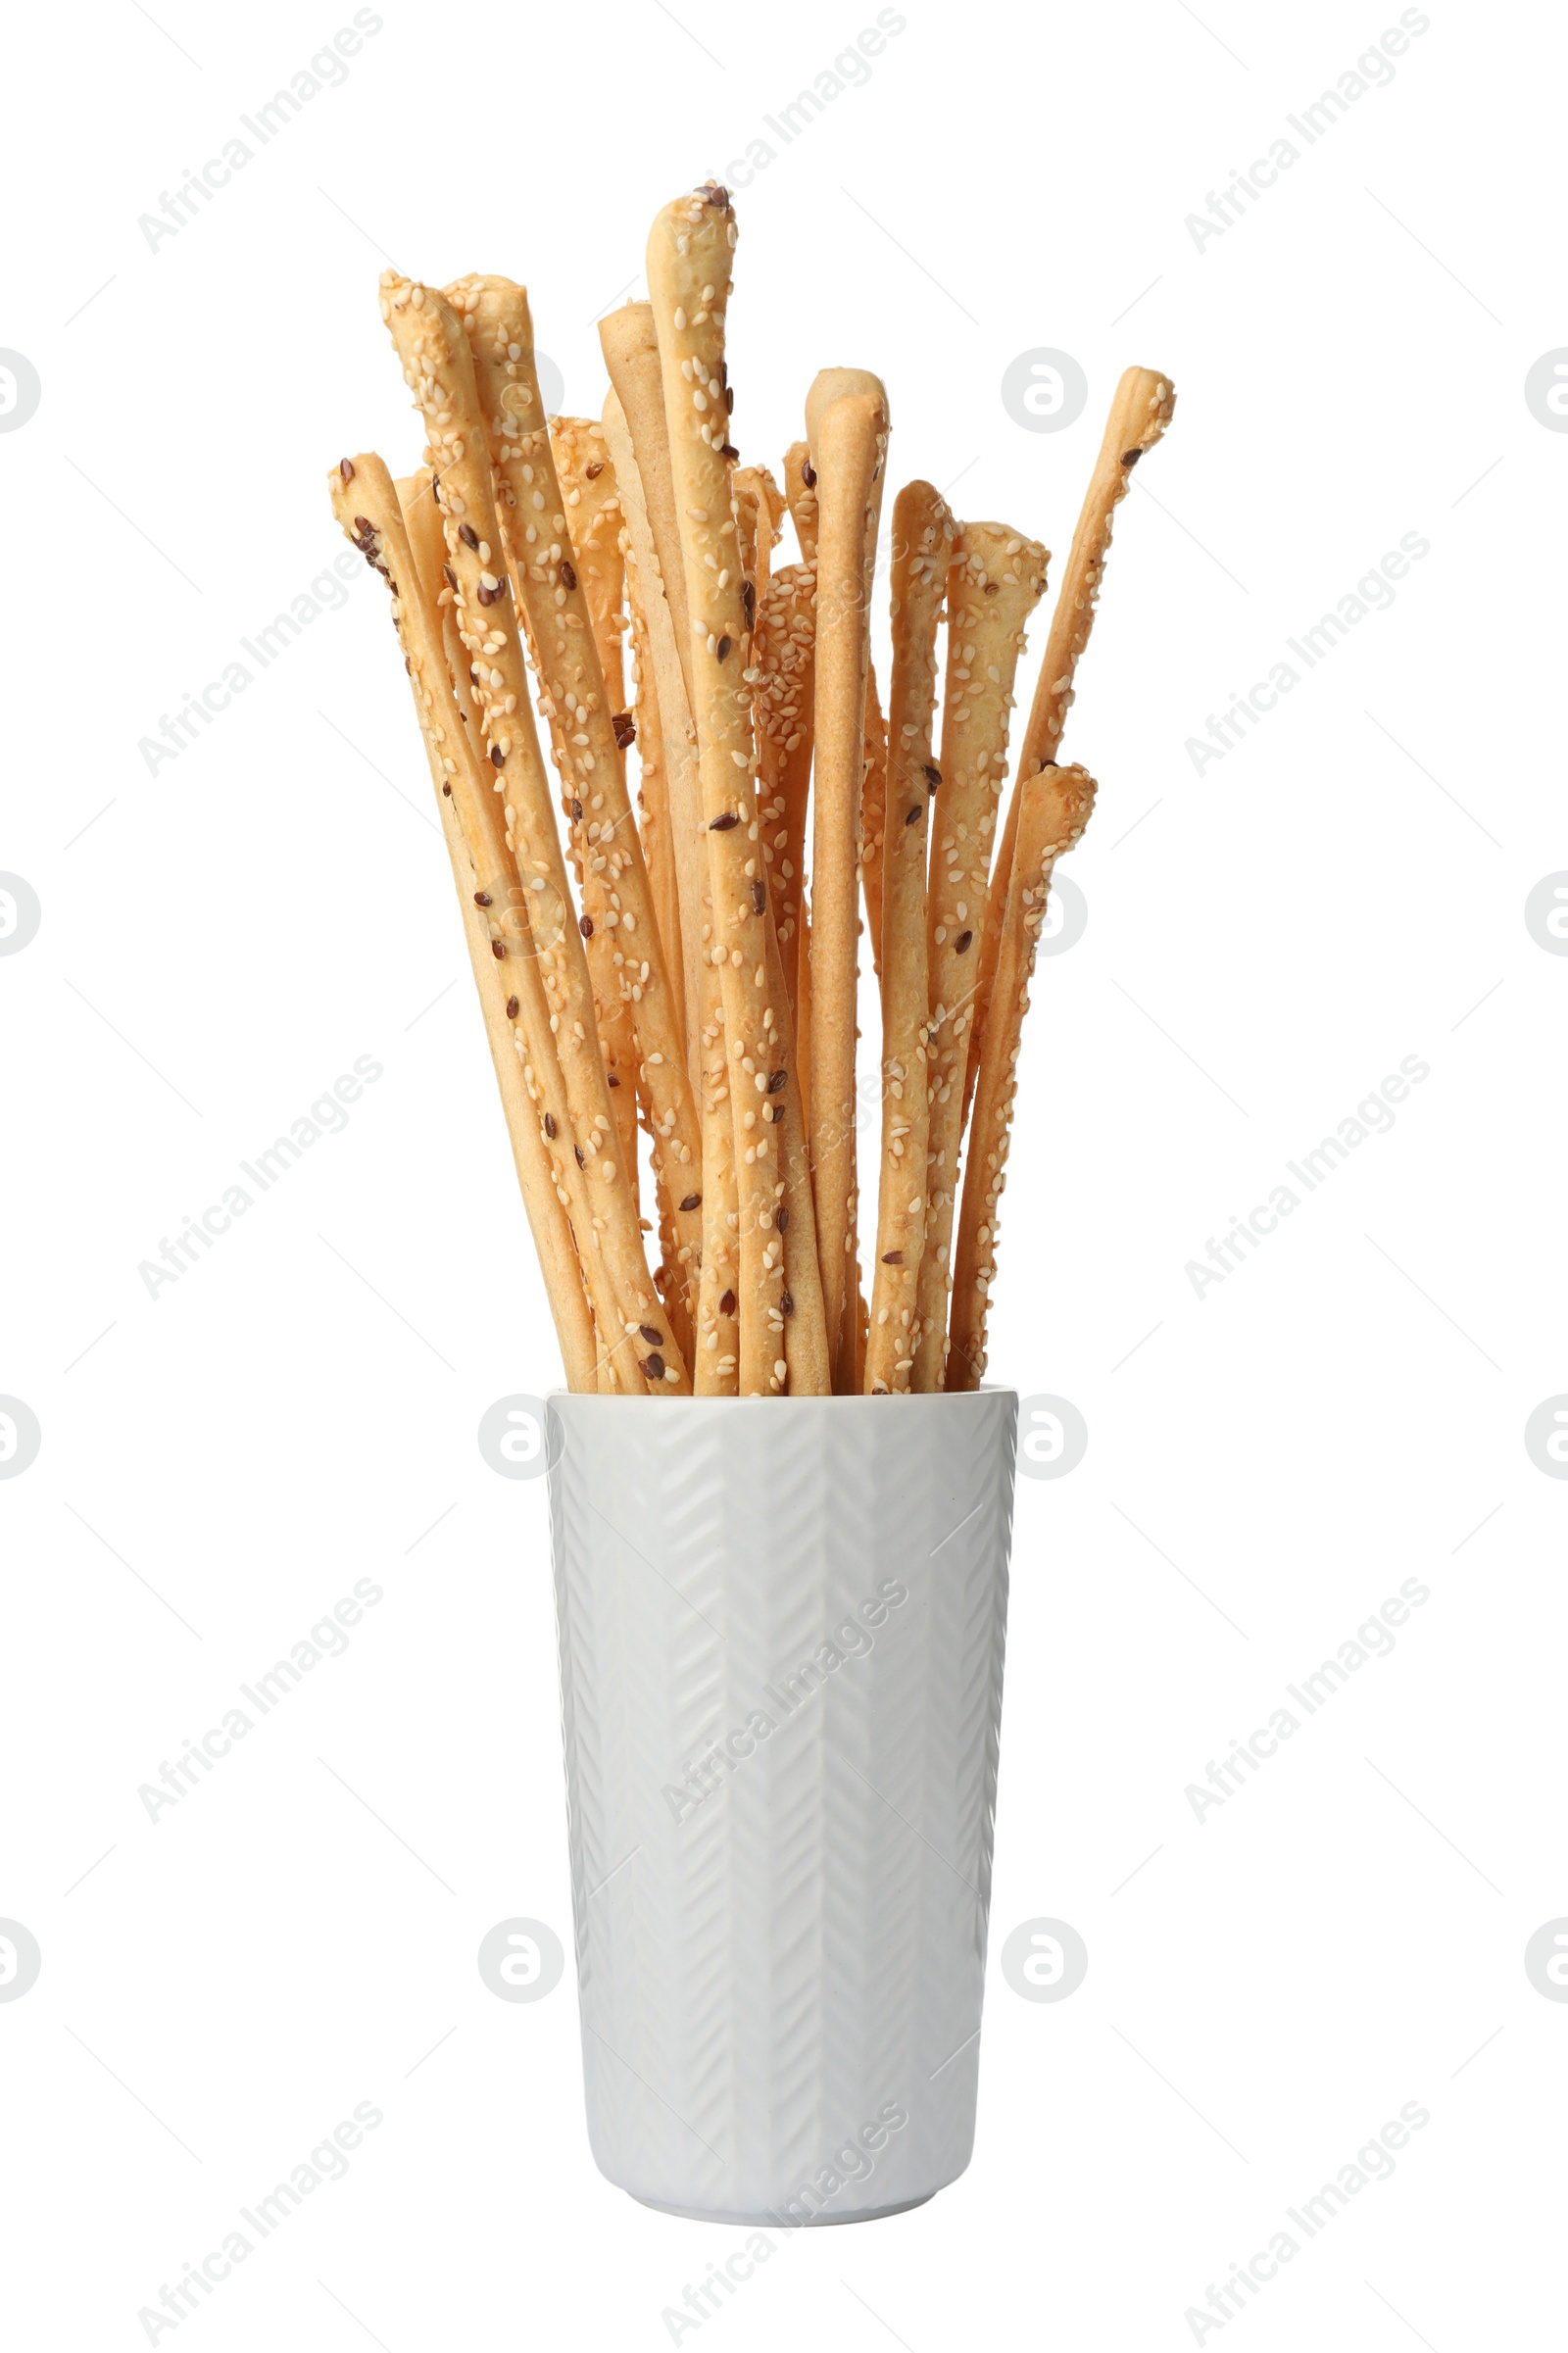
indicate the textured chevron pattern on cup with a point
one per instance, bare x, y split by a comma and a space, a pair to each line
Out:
781, 1643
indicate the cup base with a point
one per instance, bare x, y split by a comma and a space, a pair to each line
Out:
772, 2222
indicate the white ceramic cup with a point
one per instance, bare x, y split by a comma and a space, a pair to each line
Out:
781, 1628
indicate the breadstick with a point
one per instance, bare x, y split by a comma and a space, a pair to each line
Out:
803, 1021
645, 728
718, 1325
630, 347
873, 814
438, 367
421, 519
805, 1331
616, 1034
994, 583
783, 658
618, 1038
800, 488
370, 512
848, 446
1142, 408
800, 1317
922, 548
677, 735
595, 526
715, 1369
689, 264
619, 920
829, 385
481, 821
758, 513
1055, 807
421, 523
548, 1219
366, 507
599, 542
587, 480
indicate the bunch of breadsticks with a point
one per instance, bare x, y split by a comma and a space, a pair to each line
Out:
689, 967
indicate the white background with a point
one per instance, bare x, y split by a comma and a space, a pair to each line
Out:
220, 1464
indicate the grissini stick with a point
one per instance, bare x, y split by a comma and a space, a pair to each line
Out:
803, 1019
849, 448
805, 1348
375, 519
994, 583
1143, 407
800, 489
1143, 404
593, 512
625, 346
716, 1368
368, 509
1054, 806
783, 659
830, 384
874, 814
922, 549
618, 1037
595, 527
678, 736
437, 364
592, 497
630, 346
619, 920
515, 410
568, 1301
779, 674
690, 248
758, 517
481, 822
644, 727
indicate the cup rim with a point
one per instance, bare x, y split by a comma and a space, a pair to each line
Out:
926, 1398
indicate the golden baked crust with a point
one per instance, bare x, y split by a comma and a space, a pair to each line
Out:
1054, 806
438, 367
922, 549
994, 580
